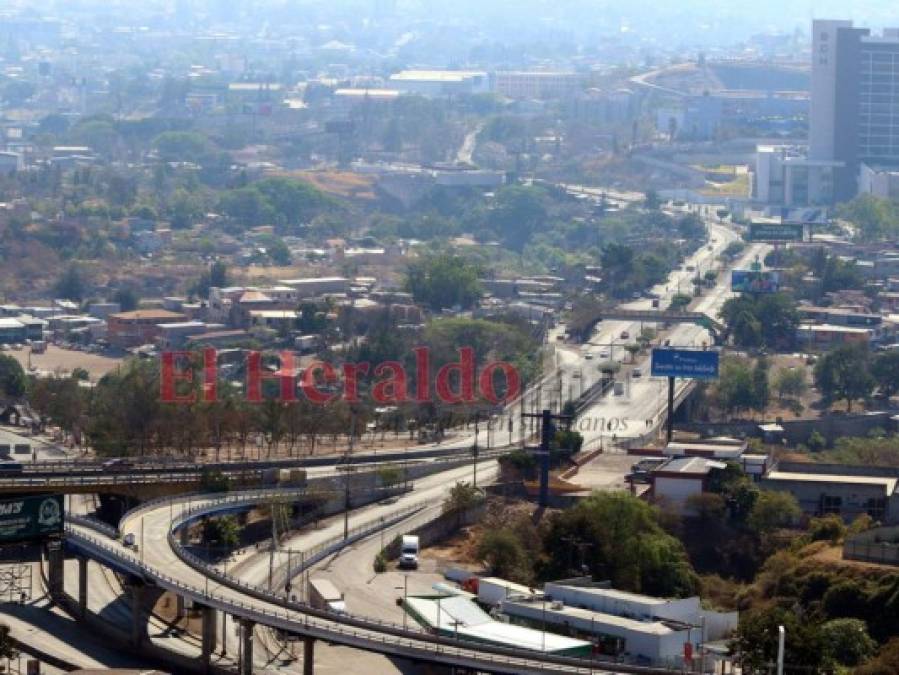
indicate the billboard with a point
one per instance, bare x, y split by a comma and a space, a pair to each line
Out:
776, 232
686, 363
30, 517
754, 281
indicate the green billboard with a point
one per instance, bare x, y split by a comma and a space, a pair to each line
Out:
30, 517
776, 232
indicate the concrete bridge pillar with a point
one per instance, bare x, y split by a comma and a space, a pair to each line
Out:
82, 585
308, 655
246, 647
55, 567
180, 609
208, 632
138, 624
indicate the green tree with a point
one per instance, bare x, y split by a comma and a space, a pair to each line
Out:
772, 511
768, 320
755, 643
875, 218
461, 498
518, 212
847, 641
790, 382
735, 389
70, 285
127, 298
221, 531
760, 392
653, 561
12, 377
844, 374
885, 663
885, 368
181, 146
444, 281
505, 555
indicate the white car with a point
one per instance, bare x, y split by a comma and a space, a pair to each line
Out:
604, 354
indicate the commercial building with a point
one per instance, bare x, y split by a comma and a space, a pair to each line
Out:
784, 175
11, 330
140, 327
458, 617
315, 287
535, 83
441, 82
823, 337
879, 181
845, 490
854, 116
636, 628
678, 479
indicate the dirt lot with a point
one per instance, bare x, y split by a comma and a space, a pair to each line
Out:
64, 360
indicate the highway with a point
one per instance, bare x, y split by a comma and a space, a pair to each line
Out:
158, 560
159, 563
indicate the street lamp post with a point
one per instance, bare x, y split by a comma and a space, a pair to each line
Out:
405, 588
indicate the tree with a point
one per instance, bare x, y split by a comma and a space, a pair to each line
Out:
12, 377
844, 374
875, 218
735, 389
885, 368
760, 393
790, 382
886, 662
848, 642
127, 298
653, 562
652, 201
70, 285
461, 498
517, 213
755, 643
679, 302
221, 531
505, 555
768, 320
444, 281
181, 146
772, 511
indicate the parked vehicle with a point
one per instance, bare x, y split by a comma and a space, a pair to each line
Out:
409, 551
636, 373
619, 389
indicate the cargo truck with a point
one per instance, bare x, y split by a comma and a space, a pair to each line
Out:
409, 551
324, 595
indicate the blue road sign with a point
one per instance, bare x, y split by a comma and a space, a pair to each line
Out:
686, 363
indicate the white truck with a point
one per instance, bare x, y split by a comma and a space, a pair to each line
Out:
409, 551
324, 595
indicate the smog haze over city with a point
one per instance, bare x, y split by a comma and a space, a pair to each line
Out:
417, 337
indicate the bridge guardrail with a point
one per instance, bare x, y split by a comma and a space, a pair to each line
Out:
326, 625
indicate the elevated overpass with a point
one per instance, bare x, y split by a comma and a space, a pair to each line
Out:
165, 565
716, 328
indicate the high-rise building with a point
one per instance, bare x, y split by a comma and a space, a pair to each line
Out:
854, 117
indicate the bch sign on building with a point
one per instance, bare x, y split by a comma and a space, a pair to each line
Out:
685, 363
30, 518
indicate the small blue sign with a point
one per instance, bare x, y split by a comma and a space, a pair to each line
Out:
686, 363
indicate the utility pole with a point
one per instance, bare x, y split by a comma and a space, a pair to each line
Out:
346, 479
670, 423
781, 637
546, 434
